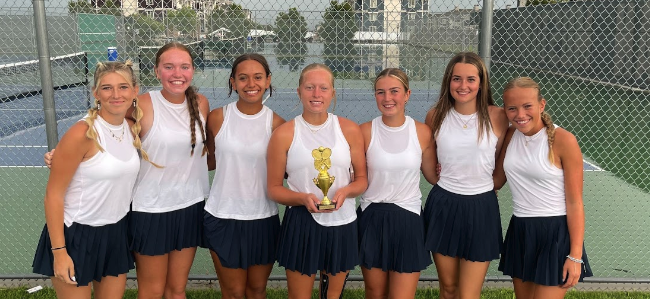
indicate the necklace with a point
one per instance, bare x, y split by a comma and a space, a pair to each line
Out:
461, 120
315, 128
110, 130
531, 138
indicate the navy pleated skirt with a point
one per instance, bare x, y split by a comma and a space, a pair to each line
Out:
307, 247
160, 233
392, 239
463, 226
535, 250
96, 251
242, 243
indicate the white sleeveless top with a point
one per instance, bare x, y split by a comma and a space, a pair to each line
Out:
301, 171
239, 185
537, 186
466, 164
183, 180
100, 190
394, 158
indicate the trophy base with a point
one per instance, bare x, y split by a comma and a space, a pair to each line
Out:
326, 207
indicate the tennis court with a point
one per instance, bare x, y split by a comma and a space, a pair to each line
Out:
616, 234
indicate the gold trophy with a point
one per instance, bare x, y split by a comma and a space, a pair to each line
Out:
324, 180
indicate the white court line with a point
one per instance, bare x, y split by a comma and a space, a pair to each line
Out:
42, 126
592, 165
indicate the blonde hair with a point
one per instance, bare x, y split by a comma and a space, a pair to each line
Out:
396, 73
192, 98
483, 98
315, 66
527, 82
125, 70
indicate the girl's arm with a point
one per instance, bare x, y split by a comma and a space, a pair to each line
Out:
73, 148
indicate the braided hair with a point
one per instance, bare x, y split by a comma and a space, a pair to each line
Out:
125, 70
192, 97
527, 82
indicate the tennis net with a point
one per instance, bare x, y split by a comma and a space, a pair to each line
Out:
23, 79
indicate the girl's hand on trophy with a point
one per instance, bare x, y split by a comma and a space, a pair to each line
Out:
339, 198
311, 202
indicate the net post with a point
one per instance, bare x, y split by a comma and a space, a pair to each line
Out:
86, 74
47, 85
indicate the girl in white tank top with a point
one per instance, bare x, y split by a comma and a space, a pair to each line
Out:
462, 214
543, 166
241, 221
317, 139
391, 230
166, 224
85, 238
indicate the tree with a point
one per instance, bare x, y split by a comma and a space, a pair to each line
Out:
110, 8
337, 31
234, 18
291, 28
143, 25
81, 6
184, 20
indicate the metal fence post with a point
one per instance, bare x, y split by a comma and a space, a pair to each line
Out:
47, 85
485, 42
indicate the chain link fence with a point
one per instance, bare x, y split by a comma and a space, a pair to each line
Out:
591, 58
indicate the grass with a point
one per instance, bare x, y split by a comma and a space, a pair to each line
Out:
47, 293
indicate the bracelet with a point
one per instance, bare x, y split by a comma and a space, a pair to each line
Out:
573, 259
57, 248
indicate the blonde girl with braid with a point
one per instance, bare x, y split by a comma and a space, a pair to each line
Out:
543, 166
89, 193
166, 223
461, 215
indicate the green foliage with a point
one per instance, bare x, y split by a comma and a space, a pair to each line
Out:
143, 25
291, 28
183, 20
233, 18
83, 6
337, 31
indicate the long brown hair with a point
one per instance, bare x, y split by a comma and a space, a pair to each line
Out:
527, 82
483, 98
191, 95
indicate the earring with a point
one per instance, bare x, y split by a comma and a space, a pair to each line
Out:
98, 104
135, 103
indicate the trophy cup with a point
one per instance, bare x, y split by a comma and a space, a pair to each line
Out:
324, 180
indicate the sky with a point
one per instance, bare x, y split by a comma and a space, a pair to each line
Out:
264, 11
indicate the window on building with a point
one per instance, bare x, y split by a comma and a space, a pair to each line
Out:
372, 16
373, 3
411, 16
150, 13
411, 3
372, 28
149, 2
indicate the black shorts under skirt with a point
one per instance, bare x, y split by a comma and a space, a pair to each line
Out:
535, 250
307, 247
96, 251
391, 238
463, 226
242, 243
160, 233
